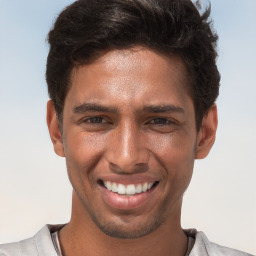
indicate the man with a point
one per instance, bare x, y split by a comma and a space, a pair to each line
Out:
132, 87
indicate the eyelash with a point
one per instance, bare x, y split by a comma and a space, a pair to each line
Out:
167, 121
90, 120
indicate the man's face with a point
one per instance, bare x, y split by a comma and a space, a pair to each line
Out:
129, 138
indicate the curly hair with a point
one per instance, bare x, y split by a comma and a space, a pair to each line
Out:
87, 28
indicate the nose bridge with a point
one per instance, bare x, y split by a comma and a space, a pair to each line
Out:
129, 151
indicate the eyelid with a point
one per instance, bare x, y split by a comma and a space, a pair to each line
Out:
168, 120
89, 120
92, 117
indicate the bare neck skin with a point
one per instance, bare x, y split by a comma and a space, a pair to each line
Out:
82, 237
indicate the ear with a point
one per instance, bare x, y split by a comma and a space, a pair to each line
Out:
207, 133
54, 129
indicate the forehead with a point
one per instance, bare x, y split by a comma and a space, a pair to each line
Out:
136, 75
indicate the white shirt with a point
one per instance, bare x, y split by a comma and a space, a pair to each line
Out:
42, 245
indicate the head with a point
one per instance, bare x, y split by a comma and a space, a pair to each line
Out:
133, 85
87, 29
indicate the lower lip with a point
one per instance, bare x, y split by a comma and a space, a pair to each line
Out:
126, 202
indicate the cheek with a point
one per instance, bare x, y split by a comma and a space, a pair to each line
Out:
176, 153
81, 147
178, 147
82, 154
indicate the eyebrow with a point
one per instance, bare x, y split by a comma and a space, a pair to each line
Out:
91, 107
94, 107
163, 109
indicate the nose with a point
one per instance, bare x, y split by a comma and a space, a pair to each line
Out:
127, 151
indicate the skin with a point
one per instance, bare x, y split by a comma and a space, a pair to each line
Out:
146, 131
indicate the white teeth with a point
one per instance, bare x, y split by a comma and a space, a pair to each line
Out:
114, 187
108, 185
150, 185
130, 189
138, 188
121, 189
145, 187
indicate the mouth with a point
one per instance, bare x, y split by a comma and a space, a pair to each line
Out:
127, 196
130, 189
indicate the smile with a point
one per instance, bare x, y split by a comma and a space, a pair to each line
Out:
130, 189
127, 196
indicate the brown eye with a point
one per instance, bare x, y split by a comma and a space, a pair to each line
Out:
95, 120
160, 121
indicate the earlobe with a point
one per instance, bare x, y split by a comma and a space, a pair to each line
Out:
207, 133
54, 129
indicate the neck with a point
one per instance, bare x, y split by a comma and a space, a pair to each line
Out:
82, 237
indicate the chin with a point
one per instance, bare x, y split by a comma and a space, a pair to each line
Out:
129, 231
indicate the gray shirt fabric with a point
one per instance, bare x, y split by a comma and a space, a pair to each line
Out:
42, 245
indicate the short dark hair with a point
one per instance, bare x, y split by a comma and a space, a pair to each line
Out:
87, 28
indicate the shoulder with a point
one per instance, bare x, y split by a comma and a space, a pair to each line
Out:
9, 249
204, 247
24, 247
40, 244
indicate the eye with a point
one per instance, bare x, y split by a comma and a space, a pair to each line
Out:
96, 124
95, 120
162, 124
161, 121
